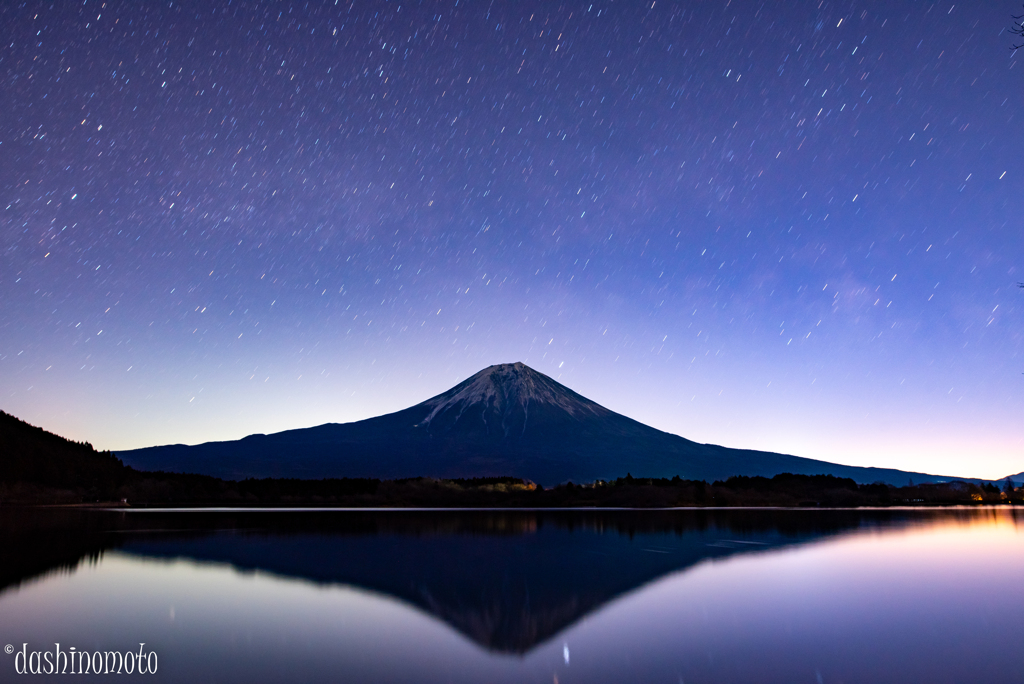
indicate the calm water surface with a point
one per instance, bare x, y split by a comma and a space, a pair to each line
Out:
615, 596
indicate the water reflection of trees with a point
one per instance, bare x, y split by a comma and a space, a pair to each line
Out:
507, 579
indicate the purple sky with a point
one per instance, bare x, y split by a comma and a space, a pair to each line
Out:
791, 226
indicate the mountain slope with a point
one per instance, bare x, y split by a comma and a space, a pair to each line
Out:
505, 420
30, 454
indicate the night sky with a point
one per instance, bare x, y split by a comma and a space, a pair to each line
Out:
791, 226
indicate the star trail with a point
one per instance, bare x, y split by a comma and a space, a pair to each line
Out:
789, 226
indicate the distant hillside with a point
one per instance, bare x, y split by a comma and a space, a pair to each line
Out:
507, 420
32, 455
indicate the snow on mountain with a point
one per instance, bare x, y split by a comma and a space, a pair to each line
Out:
505, 393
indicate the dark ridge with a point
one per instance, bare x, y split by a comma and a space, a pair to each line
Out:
33, 456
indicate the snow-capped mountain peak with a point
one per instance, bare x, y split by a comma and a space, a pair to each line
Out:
507, 392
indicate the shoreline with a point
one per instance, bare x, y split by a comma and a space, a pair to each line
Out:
122, 508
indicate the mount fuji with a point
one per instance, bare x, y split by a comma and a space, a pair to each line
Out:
507, 419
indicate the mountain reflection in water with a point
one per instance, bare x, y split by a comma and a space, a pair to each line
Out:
509, 580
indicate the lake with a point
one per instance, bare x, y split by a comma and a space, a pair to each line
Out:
893, 595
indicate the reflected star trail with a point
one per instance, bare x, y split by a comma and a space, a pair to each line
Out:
782, 226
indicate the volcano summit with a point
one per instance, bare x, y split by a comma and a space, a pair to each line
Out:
506, 420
